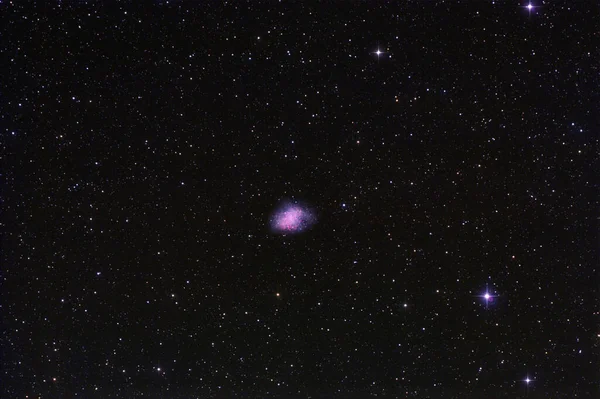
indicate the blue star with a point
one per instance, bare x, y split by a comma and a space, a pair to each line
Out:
487, 296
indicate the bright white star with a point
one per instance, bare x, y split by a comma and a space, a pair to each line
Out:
530, 8
379, 52
487, 296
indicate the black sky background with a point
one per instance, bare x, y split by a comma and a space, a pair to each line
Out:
145, 148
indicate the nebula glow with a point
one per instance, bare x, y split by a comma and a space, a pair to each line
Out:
291, 219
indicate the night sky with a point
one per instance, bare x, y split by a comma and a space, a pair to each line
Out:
290, 200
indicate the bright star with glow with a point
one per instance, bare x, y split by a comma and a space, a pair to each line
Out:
379, 52
487, 296
530, 7
528, 381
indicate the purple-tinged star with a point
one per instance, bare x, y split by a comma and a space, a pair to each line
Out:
487, 296
530, 7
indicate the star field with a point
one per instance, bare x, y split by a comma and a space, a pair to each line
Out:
448, 148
